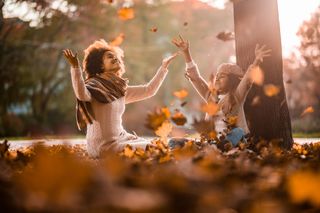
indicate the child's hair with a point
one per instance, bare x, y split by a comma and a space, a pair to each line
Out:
93, 57
233, 72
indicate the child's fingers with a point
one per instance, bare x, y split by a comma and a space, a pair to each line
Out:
181, 37
257, 47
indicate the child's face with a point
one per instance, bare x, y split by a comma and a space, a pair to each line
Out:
112, 63
221, 83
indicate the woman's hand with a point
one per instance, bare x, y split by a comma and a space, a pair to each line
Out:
260, 53
71, 58
182, 44
167, 61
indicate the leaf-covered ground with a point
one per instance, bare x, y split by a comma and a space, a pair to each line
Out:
198, 177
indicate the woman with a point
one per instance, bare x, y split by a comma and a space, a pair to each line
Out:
101, 98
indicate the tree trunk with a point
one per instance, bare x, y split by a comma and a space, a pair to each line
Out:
257, 22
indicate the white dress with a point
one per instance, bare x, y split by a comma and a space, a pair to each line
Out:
106, 131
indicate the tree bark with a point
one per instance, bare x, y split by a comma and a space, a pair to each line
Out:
257, 22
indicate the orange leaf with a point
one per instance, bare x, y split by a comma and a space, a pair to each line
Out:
307, 111
118, 40
181, 94
210, 108
257, 75
164, 130
126, 13
271, 90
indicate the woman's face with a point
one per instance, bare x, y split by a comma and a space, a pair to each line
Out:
112, 63
221, 83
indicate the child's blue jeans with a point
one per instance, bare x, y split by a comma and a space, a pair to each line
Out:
236, 135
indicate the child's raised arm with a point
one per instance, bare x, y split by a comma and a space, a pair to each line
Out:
247, 81
192, 71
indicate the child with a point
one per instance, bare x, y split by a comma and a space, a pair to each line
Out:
101, 98
230, 82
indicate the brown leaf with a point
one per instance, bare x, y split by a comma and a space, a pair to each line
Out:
153, 29
178, 118
156, 118
225, 36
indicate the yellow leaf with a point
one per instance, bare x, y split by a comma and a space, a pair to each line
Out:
257, 75
307, 111
181, 94
128, 151
126, 13
210, 108
271, 90
164, 130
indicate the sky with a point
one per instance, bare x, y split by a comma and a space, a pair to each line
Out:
292, 13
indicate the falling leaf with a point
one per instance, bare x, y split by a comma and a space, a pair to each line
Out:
164, 130
225, 36
118, 40
110, 1
156, 118
185, 24
255, 101
256, 75
271, 90
183, 103
307, 111
210, 108
181, 94
178, 118
125, 13
153, 29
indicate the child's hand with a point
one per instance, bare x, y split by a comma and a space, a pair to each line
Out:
71, 58
182, 44
167, 61
260, 53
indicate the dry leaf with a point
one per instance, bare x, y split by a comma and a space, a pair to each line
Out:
307, 111
164, 130
153, 29
125, 13
225, 36
256, 75
156, 118
255, 101
118, 40
271, 90
178, 118
210, 108
181, 94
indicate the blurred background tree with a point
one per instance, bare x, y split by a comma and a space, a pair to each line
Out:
35, 84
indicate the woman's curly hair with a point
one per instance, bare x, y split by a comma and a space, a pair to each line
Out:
93, 57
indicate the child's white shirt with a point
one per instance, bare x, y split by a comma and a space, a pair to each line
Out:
193, 74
